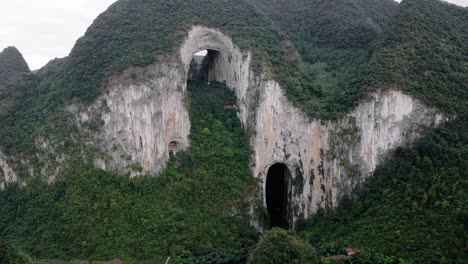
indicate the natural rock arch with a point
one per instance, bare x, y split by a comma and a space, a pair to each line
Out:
229, 64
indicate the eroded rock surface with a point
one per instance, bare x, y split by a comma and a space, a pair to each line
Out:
7, 175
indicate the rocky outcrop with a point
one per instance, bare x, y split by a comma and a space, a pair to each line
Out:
7, 175
139, 119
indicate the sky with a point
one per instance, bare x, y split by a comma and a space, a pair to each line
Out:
46, 29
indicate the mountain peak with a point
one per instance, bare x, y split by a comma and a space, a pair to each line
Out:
12, 64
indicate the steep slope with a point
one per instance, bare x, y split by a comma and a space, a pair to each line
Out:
126, 36
415, 206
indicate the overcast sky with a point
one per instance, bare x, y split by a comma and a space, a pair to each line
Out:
46, 29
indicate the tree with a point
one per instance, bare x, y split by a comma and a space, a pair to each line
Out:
277, 246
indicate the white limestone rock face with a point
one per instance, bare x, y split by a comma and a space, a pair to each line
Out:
140, 120
7, 174
361, 141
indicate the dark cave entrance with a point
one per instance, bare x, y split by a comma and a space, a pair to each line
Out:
278, 186
201, 64
174, 146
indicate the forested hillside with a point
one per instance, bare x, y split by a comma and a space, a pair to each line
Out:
93, 214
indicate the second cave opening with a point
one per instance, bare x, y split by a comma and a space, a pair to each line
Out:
278, 194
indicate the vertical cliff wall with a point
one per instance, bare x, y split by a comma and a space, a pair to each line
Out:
141, 115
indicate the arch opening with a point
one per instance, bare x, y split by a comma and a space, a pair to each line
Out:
201, 65
278, 195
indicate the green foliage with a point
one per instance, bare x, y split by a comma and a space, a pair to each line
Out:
234, 257
424, 53
198, 203
335, 42
14, 75
277, 246
365, 257
413, 208
9, 255
373, 258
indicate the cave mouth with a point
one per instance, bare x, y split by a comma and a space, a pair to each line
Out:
201, 65
278, 195
174, 146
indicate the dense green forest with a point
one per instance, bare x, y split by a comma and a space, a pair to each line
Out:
93, 214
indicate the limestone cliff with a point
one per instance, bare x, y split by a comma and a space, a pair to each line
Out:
144, 119
328, 159
141, 116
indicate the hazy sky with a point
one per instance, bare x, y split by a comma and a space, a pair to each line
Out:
46, 29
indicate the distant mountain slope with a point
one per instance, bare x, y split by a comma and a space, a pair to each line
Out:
341, 24
13, 72
425, 54
12, 65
